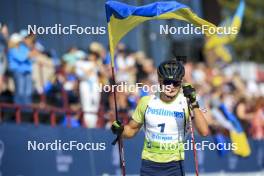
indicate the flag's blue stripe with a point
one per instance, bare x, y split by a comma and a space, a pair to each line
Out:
121, 10
232, 118
240, 10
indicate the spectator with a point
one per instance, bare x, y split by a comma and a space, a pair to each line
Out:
241, 111
3, 46
70, 84
20, 54
125, 65
87, 70
71, 57
257, 128
42, 69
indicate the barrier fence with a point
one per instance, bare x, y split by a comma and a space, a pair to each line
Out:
35, 109
42, 104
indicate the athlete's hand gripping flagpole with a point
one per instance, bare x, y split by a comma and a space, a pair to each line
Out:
117, 128
189, 93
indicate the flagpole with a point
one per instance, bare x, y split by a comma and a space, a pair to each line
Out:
193, 141
119, 138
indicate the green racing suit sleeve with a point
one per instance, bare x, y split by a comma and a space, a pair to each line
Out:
139, 113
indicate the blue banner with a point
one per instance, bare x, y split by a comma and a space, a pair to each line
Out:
96, 155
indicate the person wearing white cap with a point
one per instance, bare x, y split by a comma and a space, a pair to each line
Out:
20, 55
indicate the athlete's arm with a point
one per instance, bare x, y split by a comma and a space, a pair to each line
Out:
131, 129
134, 125
200, 122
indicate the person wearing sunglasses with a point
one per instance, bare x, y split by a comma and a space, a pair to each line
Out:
164, 117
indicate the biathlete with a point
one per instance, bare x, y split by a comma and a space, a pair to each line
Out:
164, 117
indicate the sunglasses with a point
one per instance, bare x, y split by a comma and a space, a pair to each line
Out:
172, 82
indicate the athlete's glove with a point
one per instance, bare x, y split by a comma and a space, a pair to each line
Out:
190, 93
117, 128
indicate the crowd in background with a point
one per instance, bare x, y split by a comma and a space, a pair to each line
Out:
29, 74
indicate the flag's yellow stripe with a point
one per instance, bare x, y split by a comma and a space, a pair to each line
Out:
223, 53
240, 139
118, 28
216, 40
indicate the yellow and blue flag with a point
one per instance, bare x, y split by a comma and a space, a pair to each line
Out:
237, 136
122, 18
218, 40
